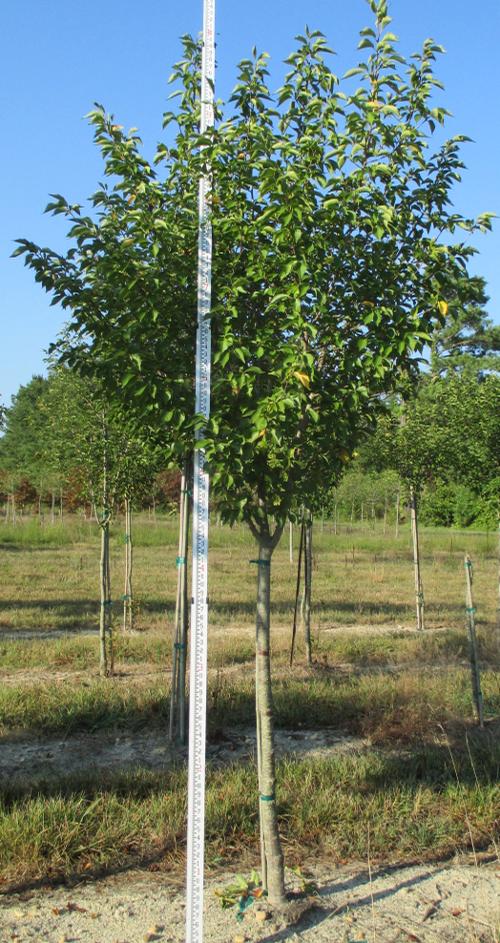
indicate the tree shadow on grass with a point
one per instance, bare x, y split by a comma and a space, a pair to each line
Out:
74, 616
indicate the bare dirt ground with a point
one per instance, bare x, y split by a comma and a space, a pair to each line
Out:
349, 628
452, 903
49, 759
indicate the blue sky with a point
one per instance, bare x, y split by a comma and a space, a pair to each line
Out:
58, 58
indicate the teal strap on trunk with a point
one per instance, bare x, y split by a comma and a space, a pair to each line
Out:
470, 608
261, 562
107, 602
180, 561
267, 798
125, 597
179, 646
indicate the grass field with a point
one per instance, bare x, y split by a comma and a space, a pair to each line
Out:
424, 782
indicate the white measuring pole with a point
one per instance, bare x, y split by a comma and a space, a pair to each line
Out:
199, 611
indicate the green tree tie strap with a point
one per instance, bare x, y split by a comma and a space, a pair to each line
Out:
125, 597
179, 646
180, 561
470, 608
267, 798
107, 602
261, 562
127, 539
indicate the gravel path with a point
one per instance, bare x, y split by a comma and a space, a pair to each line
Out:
451, 903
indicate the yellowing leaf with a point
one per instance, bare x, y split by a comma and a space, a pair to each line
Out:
344, 456
443, 307
303, 378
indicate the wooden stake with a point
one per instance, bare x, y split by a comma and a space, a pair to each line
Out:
297, 591
127, 593
419, 590
305, 607
177, 720
498, 596
471, 627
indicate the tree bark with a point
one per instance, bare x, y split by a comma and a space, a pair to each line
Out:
273, 872
398, 500
419, 589
53, 507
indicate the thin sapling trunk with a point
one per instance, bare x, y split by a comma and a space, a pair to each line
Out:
273, 873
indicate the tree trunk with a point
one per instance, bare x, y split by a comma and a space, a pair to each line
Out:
305, 606
335, 519
177, 720
398, 501
419, 590
385, 517
53, 507
127, 593
273, 872
290, 541
61, 511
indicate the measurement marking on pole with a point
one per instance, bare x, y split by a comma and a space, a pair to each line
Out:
199, 610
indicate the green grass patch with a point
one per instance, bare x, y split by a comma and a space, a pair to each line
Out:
407, 707
395, 808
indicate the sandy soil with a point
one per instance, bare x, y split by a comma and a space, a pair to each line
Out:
349, 628
452, 903
36, 760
